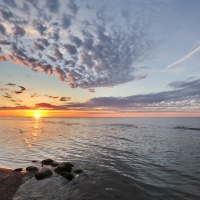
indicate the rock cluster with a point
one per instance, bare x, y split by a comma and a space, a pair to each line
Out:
64, 169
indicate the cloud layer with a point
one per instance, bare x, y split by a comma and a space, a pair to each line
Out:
184, 97
86, 51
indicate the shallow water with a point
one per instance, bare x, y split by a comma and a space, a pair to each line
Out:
122, 158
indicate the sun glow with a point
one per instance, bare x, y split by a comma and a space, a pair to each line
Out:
37, 115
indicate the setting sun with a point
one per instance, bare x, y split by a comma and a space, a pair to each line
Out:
37, 115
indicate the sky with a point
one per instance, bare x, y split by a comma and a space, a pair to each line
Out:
108, 58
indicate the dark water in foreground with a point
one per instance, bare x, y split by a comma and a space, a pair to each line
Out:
122, 158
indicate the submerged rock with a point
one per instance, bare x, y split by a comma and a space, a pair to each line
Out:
65, 166
43, 173
67, 175
54, 164
78, 171
47, 161
32, 168
18, 170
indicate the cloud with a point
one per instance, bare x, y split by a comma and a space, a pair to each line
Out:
183, 58
25, 8
65, 98
38, 47
10, 3
85, 52
184, 84
55, 35
4, 89
11, 84
66, 21
58, 54
2, 29
8, 16
45, 42
53, 5
76, 40
4, 42
72, 7
61, 74
91, 90
52, 97
8, 96
34, 95
18, 31
38, 25
185, 96
71, 49
21, 90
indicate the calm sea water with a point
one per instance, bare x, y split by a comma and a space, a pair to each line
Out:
122, 158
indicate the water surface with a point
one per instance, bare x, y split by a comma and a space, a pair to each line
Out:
122, 158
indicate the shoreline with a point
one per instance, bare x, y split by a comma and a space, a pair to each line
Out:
10, 181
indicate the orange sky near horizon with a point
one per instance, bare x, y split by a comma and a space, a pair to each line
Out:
92, 113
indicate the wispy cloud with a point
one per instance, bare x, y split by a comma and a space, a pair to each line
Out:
183, 58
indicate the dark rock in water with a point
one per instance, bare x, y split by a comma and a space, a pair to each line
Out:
18, 170
78, 171
32, 168
65, 166
47, 161
67, 175
54, 164
43, 173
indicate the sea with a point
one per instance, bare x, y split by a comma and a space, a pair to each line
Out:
121, 158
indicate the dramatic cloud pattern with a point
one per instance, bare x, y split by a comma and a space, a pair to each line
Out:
121, 56
85, 53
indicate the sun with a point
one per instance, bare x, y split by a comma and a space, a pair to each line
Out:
37, 115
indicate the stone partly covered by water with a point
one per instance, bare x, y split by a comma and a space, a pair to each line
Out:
32, 168
17, 169
47, 161
67, 175
43, 173
78, 171
54, 164
65, 166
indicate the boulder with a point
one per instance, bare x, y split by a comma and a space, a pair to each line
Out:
47, 161
32, 168
43, 173
54, 164
18, 170
78, 171
65, 166
67, 175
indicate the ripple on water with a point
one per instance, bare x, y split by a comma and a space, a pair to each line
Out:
120, 157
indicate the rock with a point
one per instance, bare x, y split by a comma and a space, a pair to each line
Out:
67, 175
54, 164
47, 161
32, 168
18, 170
78, 171
65, 166
43, 173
